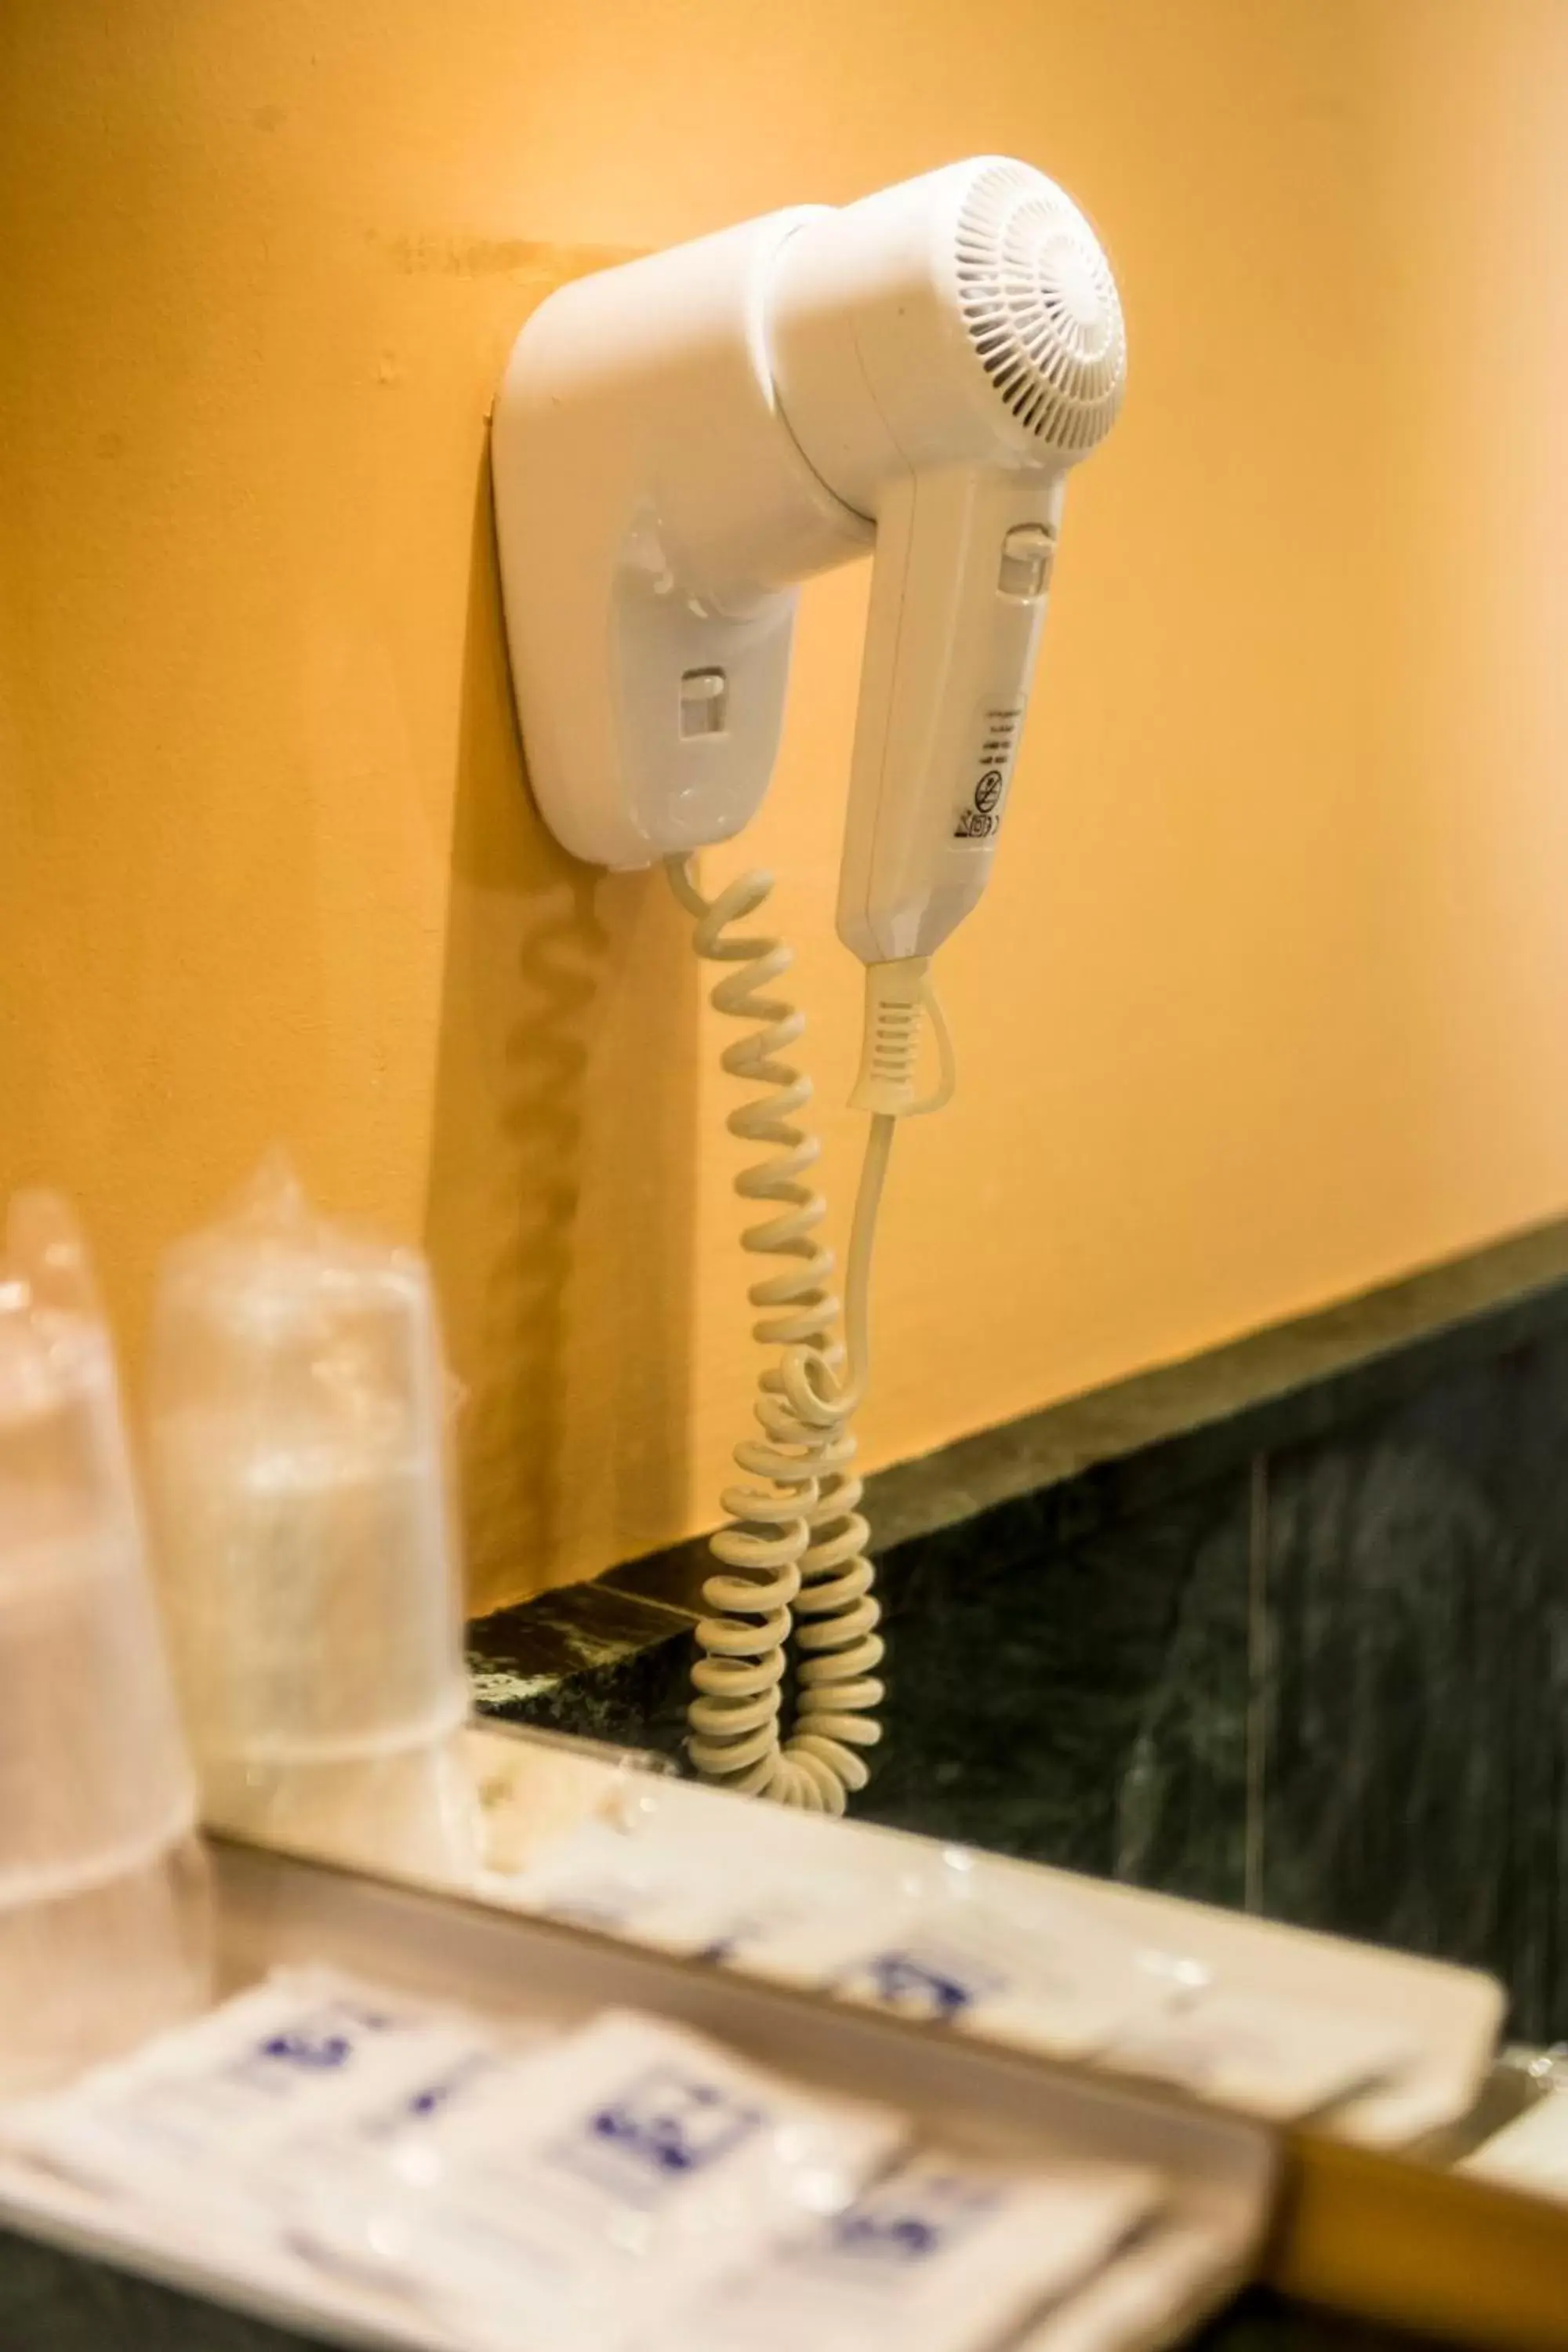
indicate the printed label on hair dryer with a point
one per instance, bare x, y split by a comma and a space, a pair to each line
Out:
978, 815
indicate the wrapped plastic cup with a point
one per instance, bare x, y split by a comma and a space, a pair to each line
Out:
305, 1540
96, 1797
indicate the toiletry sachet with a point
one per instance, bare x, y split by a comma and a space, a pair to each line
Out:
942, 2255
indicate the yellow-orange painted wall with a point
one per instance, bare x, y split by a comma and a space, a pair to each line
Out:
1269, 997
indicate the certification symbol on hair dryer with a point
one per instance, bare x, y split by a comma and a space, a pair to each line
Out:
979, 815
981, 818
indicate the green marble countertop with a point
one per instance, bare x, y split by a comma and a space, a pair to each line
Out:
53, 2302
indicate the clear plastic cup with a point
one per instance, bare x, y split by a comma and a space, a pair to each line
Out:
100, 1913
87, 1976
301, 1509
412, 1813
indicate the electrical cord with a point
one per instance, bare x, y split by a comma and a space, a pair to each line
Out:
792, 1553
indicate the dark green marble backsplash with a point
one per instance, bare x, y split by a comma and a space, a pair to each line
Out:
1286, 1628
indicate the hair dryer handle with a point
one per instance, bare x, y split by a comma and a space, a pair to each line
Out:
959, 585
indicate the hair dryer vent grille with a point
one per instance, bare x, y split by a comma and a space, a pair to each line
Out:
1041, 308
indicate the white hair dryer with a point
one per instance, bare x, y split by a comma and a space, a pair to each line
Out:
678, 444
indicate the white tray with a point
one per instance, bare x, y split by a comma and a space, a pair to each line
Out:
1223, 2172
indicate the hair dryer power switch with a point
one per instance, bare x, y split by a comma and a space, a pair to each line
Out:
1028, 551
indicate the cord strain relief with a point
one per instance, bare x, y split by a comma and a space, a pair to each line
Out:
890, 1042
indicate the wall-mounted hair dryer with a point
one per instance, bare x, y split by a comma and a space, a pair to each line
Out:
678, 444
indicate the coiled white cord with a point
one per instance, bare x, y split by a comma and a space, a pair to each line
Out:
794, 1547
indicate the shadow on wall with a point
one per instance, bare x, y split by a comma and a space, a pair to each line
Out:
559, 1207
